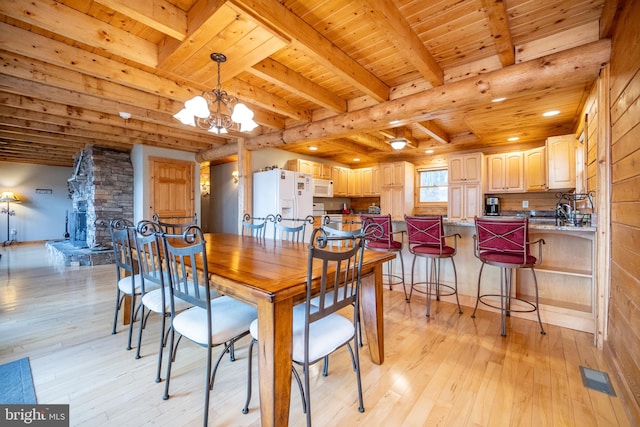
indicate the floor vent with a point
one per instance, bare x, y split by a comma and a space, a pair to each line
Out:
596, 380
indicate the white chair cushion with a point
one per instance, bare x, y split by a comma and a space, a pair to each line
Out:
153, 301
229, 318
326, 334
125, 284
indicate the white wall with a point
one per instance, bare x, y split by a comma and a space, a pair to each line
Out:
39, 216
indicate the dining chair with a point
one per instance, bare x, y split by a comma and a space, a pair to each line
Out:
294, 232
426, 239
385, 241
504, 243
155, 298
319, 330
175, 224
211, 322
129, 283
255, 226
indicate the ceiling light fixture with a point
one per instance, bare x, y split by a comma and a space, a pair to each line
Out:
313, 148
398, 144
206, 111
513, 138
498, 99
428, 151
551, 113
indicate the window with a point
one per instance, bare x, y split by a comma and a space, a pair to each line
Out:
433, 185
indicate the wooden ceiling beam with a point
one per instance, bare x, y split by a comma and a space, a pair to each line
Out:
573, 66
434, 131
29, 107
277, 17
370, 141
160, 15
75, 25
51, 52
389, 20
496, 12
285, 78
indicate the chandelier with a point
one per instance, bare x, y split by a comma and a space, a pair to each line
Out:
217, 111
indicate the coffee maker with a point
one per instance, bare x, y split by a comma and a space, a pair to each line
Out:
492, 206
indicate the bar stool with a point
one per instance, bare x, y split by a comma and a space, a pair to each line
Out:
505, 243
427, 240
382, 240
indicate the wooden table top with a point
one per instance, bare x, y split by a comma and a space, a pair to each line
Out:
267, 269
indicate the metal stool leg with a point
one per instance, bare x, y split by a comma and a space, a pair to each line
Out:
535, 281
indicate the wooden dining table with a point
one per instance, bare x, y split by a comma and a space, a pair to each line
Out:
272, 275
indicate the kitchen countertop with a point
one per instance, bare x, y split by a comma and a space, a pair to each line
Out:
534, 224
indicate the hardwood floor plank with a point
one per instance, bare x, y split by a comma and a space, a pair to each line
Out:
446, 370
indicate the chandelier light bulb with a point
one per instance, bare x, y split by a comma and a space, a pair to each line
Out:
198, 107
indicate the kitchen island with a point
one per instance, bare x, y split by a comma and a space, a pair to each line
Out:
566, 276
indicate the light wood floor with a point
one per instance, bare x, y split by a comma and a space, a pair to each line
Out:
449, 370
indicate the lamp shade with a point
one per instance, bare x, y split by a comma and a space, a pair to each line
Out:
9, 197
398, 144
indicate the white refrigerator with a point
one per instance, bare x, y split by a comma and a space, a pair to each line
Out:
283, 192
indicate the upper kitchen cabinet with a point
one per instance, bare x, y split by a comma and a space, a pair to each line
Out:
396, 196
370, 181
299, 165
561, 155
465, 167
340, 177
321, 171
535, 169
505, 172
354, 188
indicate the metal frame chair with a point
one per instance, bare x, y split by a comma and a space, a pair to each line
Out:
254, 229
426, 239
505, 243
128, 282
293, 233
384, 241
210, 322
157, 298
175, 224
318, 330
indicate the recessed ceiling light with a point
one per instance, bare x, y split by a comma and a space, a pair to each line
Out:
428, 151
357, 159
394, 122
513, 138
125, 115
313, 148
498, 99
551, 113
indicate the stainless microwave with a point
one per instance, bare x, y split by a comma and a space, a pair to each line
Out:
322, 188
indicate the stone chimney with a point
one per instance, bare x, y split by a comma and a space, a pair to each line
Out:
102, 184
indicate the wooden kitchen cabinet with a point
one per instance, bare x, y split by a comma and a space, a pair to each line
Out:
340, 177
302, 166
535, 169
321, 171
354, 188
505, 172
561, 166
465, 202
396, 195
466, 167
367, 182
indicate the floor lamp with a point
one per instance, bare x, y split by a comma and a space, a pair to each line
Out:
8, 197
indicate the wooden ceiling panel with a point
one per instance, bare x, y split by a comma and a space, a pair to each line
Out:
335, 65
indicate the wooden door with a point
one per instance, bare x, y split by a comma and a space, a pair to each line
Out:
171, 187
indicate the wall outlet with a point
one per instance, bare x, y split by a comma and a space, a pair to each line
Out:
525, 203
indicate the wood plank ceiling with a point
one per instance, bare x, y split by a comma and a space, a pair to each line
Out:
331, 74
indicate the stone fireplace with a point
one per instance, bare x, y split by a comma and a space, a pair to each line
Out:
101, 189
